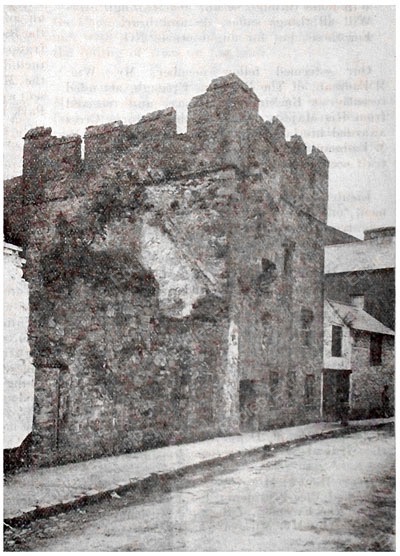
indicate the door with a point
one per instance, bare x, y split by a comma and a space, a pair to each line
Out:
335, 393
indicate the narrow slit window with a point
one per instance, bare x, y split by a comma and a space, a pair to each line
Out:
288, 256
273, 387
307, 317
309, 389
291, 384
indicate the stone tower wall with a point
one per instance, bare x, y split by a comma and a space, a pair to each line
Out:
165, 271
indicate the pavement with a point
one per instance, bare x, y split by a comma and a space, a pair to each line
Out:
45, 491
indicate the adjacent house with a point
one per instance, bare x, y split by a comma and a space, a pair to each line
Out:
358, 362
363, 271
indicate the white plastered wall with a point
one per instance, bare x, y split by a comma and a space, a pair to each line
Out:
19, 372
331, 318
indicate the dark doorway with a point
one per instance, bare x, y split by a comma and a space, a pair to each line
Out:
248, 406
336, 393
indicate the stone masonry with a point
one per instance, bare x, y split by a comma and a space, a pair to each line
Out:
176, 280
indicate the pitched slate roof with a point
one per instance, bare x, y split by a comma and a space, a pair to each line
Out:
371, 254
358, 319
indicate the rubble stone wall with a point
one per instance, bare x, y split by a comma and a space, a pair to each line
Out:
367, 381
165, 269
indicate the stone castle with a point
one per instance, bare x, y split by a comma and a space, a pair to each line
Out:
176, 280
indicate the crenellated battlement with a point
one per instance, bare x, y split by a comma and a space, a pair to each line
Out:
229, 80
46, 156
101, 141
38, 132
297, 146
159, 124
308, 186
276, 132
224, 128
318, 156
101, 129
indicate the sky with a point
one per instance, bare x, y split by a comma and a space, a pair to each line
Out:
327, 72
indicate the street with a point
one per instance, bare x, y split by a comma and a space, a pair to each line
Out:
329, 495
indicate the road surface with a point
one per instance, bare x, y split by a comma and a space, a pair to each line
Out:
327, 495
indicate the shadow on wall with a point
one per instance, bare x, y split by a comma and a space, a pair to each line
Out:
375, 412
17, 458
